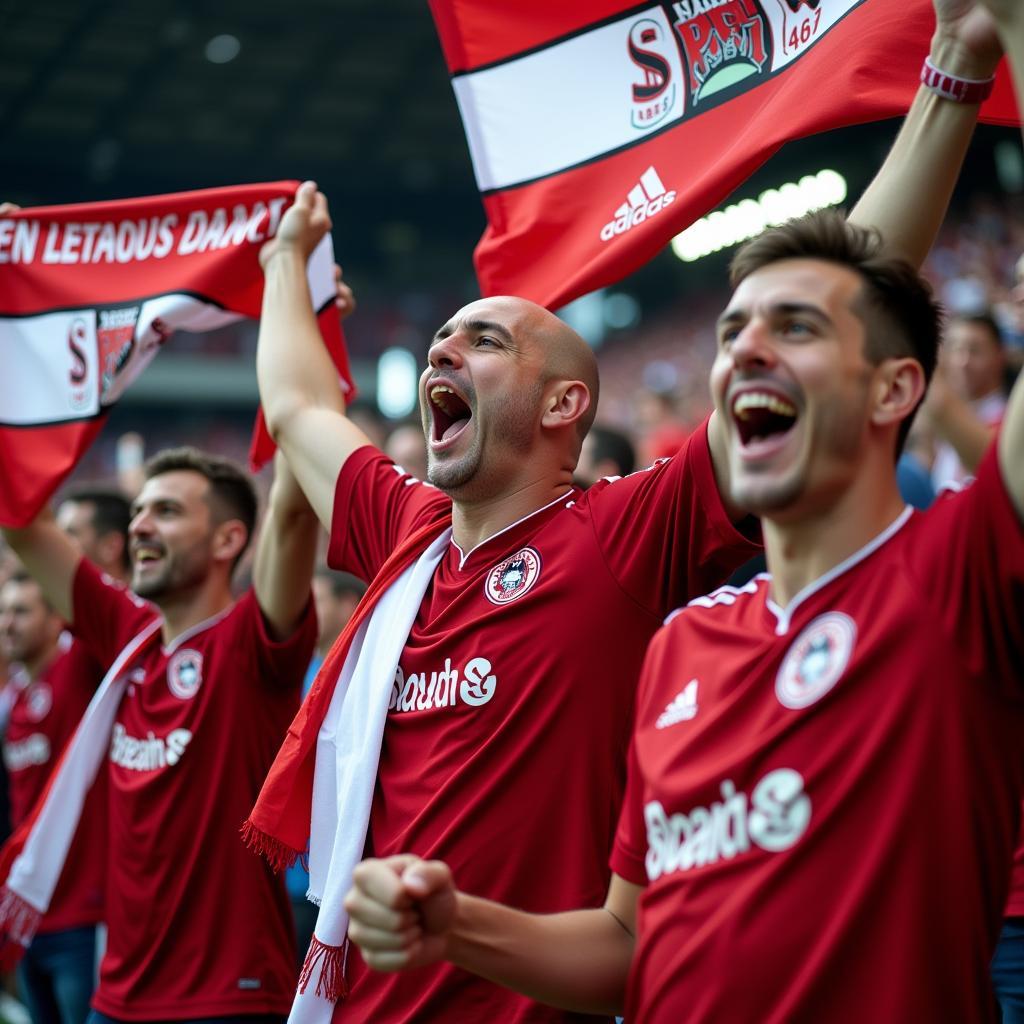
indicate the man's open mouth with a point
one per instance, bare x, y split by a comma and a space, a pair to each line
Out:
762, 415
450, 412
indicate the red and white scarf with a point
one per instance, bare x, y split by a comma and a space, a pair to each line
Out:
90, 293
320, 787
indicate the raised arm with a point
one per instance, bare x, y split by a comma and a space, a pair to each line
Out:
285, 553
1009, 15
50, 557
406, 912
299, 388
955, 422
908, 198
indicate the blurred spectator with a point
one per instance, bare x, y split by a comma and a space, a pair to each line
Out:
407, 447
967, 396
47, 696
97, 519
605, 452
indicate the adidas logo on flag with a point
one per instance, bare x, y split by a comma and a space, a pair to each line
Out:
682, 708
644, 200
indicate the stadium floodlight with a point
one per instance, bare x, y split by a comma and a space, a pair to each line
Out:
397, 382
745, 219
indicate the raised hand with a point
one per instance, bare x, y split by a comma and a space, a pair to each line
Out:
966, 40
401, 911
305, 222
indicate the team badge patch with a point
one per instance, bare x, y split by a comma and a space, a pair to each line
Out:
185, 674
816, 660
38, 702
513, 577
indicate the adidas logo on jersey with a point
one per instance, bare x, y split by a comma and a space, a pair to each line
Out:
644, 200
773, 817
682, 708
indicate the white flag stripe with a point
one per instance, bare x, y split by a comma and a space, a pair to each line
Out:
38, 383
557, 107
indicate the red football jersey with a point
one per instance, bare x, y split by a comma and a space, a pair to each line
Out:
824, 799
197, 925
505, 747
44, 716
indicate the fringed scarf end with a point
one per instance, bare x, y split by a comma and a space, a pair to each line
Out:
18, 918
278, 854
328, 962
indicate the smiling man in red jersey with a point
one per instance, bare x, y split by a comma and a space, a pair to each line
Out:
198, 928
824, 786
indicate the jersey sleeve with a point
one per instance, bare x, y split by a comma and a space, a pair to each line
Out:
105, 615
664, 532
630, 847
280, 664
376, 506
968, 562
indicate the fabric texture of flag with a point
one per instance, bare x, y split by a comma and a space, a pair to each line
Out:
89, 293
599, 130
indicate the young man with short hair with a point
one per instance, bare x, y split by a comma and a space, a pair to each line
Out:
197, 926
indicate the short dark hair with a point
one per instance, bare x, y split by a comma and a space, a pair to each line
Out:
111, 512
614, 445
981, 318
24, 576
900, 315
232, 493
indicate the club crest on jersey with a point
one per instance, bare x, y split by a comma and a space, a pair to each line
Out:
815, 660
38, 702
724, 42
513, 577
654, 92
185, 674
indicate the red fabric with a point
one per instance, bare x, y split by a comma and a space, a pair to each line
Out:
543, 236
1015, 904
506, 740
846, 858
197, 926
43, 719
50, 264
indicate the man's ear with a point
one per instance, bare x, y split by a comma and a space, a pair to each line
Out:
229, 540
899, 387
565, 404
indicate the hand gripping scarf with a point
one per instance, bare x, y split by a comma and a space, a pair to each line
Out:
320, 787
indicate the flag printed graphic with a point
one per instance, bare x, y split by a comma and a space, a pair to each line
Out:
89, 294
568, 106
648, 198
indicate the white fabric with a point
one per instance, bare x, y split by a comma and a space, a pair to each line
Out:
37, 869
347, 755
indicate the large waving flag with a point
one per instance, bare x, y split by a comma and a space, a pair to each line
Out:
90, 293
600, 129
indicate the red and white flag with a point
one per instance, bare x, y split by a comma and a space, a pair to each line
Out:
89, 294
600, 129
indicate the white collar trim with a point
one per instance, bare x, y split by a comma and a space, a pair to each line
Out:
197, 628
511, 526
784, 616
